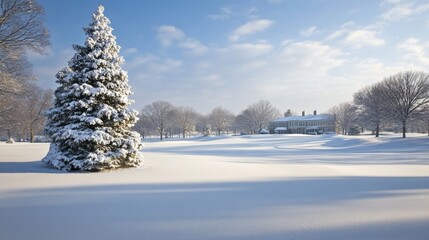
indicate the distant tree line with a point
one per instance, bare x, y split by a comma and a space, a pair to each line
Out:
398, 102
163, 119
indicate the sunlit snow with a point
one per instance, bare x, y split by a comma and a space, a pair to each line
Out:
227, 187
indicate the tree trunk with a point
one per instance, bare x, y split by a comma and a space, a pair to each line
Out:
161, 133
184, 132
218, 132
404, 129
8, 133
377, 130
31, 135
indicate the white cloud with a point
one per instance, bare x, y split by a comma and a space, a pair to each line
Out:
286, 42
313, 55
194, 46
360, 72
340, 32
168, 34
292, 74
171, 35
139, 61
249, 28
401, 10
252, 50
392, 2
356, 36
397, 12
228, 12
152, 65
225, 13
231, 72
362, 37
310, 31
416, 51
146, 71
336, 34
213, 80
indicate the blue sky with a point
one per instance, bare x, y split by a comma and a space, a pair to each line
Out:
300, 55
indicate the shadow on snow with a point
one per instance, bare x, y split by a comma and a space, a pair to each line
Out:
308, 149
189, 211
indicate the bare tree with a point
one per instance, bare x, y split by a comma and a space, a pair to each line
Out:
370, 105
424, 119
263, 113
420, 124
172, 126
28, 114
8, 84
202, 125
159, 114
21, 26
186, 119
221, 119
406, 96
257, 116
15, 72
345, 116
246, 121
21, 29
144, 127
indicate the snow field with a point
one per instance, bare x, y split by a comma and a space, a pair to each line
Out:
244, 187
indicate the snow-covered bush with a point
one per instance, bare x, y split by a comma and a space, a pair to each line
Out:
90, 122
10, 140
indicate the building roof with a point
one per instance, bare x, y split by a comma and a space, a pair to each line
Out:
304, 118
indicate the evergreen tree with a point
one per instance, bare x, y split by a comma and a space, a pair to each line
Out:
90, 122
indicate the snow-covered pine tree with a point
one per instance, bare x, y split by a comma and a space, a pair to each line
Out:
90, 122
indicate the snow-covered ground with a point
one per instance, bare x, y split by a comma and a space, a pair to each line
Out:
244, 187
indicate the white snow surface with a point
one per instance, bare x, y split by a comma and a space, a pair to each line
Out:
227, 187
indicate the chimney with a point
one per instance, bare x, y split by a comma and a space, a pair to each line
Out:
303, 113
314, 112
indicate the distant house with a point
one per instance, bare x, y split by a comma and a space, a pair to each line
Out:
305, 124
